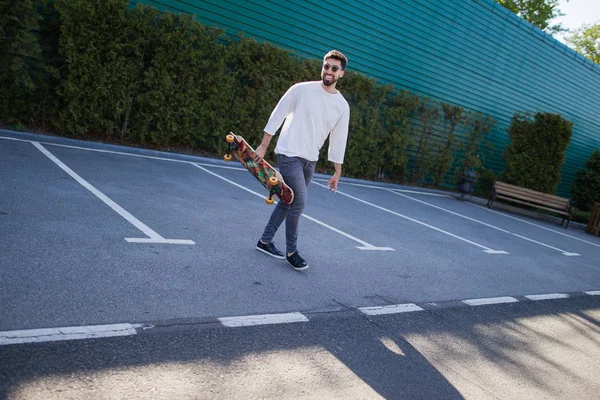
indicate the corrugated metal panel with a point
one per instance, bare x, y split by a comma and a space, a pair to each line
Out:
474, 53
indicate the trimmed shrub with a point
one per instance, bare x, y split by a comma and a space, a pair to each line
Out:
185, 87
485, 183
102, 57
477, 126
397, 117
452, 117
586, 187
258, 75
19, 48
537, 151
139, 76
366, 142
428, 116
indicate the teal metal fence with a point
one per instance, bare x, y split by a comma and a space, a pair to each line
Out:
471, 53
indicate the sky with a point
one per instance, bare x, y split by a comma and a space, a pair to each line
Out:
577, 13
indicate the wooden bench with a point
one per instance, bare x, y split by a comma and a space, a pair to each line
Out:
532, 198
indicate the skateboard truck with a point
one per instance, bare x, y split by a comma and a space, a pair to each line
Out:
229, 139
273, 189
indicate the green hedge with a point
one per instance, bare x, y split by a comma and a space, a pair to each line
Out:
135, 75
19, 46
138, 75
537, 150
586, 187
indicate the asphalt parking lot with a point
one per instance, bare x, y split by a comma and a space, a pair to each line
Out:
99, 234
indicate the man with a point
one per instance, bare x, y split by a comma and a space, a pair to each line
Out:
312, 111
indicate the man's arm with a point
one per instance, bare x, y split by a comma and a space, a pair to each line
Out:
283, 108
337, 148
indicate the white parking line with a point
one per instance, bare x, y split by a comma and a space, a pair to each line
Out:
390, 309
364, 245
128, 329
222, 166
68, 333
491, 300
564, 252
156, 238
549, 296
536, 225
384, 188
265, 319
485, 249
153, 236
121, 153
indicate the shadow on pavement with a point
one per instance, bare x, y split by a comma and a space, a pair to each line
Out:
338, 356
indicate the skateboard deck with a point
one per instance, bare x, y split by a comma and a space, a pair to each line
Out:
268, 176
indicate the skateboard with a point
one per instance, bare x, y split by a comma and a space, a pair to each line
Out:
268, 176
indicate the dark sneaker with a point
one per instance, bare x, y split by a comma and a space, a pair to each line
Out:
296, 261
270, 249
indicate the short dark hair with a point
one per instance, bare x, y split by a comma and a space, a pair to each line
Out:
337, 55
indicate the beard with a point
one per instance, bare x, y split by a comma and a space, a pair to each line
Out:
328, 82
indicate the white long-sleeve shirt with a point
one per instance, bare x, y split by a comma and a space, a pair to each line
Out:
311, 113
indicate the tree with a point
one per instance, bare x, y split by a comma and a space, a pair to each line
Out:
539, 12
19, 48
536, 153
586, 41
452, 117
586, 187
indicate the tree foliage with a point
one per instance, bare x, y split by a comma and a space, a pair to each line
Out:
537, 150
452, 116
428, 117
19, 47
477, 127
586, 41
586, 187
136, 75
255, 78
538, 12
397, 118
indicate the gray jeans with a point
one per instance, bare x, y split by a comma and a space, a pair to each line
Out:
297, 173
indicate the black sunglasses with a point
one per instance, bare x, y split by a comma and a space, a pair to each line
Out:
334, 68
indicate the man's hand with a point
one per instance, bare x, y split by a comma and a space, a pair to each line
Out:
333, 182
259, 153
261, 150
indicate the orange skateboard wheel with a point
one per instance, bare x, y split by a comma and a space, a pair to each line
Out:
273, 181
270, 200
227, 157
229, 138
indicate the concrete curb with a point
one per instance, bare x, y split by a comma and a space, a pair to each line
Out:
70, 333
